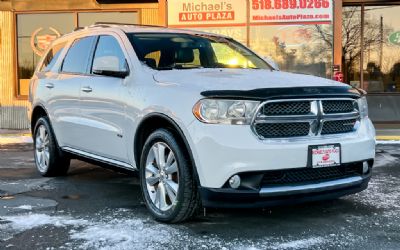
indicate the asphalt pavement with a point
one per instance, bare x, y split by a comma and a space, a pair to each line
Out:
96, 208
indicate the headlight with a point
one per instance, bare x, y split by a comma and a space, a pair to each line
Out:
225, 111
363, 106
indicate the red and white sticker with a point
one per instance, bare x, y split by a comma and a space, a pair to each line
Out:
325, 156
291, 11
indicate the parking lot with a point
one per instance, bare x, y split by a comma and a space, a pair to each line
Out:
96, 208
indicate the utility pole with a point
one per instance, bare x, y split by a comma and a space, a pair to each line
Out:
381, 44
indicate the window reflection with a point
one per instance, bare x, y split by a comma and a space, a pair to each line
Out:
35, 32
296, 48
381, 66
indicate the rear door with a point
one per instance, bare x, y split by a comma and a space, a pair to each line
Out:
63, 103
102, 108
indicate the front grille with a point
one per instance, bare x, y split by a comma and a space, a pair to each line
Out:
276, 130
338, 106
305, 117
309, 175
337, 127
287, 108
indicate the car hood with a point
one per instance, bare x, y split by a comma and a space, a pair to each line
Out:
239, 79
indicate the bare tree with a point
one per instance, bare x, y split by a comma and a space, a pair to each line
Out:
351, 38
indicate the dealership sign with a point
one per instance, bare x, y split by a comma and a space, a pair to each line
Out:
291, 11
394, 38
206, 13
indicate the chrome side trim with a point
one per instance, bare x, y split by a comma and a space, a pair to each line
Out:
310, 188
99, 158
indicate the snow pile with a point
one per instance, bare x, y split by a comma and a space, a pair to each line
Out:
29, 221
24, 207
124, 234
300, 244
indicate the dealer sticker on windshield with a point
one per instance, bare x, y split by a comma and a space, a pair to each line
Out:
325, 155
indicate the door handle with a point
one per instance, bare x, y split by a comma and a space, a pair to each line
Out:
86, 89
49, 85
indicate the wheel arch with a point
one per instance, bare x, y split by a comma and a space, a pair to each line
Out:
37, 112
155, 121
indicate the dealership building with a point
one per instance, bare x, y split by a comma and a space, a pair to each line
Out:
354, 41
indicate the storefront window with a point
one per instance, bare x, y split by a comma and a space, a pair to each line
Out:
89, 18
380, 44
34, 34
296, 48
351, 45
381, 64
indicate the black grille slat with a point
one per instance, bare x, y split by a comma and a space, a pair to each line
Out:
337, 127
276, 130
287, 108
337, 106
308, 175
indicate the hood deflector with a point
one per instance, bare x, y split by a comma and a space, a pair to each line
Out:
295, 92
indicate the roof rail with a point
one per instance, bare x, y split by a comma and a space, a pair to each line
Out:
130, 24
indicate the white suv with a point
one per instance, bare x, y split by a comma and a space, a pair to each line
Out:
204, 120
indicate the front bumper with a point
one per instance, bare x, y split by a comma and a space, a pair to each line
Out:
221, 151
283, 195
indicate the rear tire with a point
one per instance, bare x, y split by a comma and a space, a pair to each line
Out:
49, 159
166, 178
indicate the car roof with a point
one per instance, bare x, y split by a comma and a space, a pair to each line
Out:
135, 28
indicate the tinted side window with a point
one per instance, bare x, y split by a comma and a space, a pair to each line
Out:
109, 55
77, 58
52, 56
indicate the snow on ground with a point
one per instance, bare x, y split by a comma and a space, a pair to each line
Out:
384, 159
123, 231
389, 142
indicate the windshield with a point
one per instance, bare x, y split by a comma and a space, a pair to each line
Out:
163, 51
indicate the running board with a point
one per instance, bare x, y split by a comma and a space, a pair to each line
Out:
99, 158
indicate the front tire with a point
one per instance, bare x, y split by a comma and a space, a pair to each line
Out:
49, 159
166, 178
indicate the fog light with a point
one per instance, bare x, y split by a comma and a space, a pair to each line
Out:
365, 167
234, 181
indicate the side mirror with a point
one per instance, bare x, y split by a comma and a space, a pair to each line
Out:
110, 66
271, 62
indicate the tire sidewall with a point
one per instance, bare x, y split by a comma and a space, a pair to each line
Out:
166, 137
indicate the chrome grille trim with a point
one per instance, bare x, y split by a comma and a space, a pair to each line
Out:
316, 118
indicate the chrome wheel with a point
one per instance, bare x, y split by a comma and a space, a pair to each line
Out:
162, 176
42, 149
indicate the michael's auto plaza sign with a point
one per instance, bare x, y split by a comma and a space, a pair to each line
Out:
207, 13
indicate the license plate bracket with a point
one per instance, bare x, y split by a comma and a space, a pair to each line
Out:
326, 155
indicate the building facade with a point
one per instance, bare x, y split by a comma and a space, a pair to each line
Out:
358, 41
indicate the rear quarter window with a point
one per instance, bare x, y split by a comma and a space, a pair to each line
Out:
51, 57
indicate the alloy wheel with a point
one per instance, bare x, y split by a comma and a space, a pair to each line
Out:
162, 176
42, 149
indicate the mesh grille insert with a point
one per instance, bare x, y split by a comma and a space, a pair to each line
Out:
276, 130
339, 126
287, 108
337, 106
